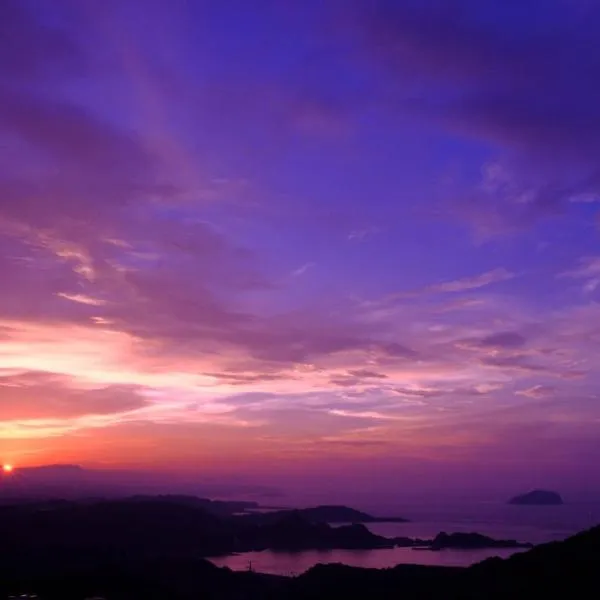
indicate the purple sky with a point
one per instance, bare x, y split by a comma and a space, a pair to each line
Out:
300, 239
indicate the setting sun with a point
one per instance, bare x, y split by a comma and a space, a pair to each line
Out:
7, 468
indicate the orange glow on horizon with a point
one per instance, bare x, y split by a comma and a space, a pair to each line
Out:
7, 469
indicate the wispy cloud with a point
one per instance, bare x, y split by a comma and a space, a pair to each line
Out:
471, 283
588, 271
359, 235
303, 269
537, 391
453, 62
82, 299
456, 286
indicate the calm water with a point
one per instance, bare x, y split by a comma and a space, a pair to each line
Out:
287, 563
537, 524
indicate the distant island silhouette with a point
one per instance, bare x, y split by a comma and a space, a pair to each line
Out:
472, 541
325, 514
538, 498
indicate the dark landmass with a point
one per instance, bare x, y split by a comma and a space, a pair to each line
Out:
294, 533
75, 567
144, 528
472, 541
343, 514
538, 498
222, 508
323, 514
193, 527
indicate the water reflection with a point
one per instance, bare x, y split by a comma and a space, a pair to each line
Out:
294, 563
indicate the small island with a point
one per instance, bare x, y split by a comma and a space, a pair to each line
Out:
538, 498
471, 541
343, 514
319, 515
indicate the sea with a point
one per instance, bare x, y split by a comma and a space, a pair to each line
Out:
534, 524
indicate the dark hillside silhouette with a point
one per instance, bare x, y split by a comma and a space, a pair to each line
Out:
558, 570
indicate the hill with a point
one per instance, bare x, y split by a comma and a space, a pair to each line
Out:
538, 497
323, 514
343, 514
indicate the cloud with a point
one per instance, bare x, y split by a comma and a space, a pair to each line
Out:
462, 304
365, 415
91, 200
588, 270
303, 269
585, 199
521, 81
82, 299
529, 84
456, 286
34, 50
471, 283
511, 197
366, 374
418, 392
32, 396
233, 378
537, 391
505, 339
515, 363
82, 163
359, 235
355, 443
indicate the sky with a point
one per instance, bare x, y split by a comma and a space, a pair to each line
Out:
339, 242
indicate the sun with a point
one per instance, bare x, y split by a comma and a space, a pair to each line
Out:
7, 469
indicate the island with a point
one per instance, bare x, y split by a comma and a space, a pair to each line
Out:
538, 498
343, 514
333, 514
294, 533
471, 541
